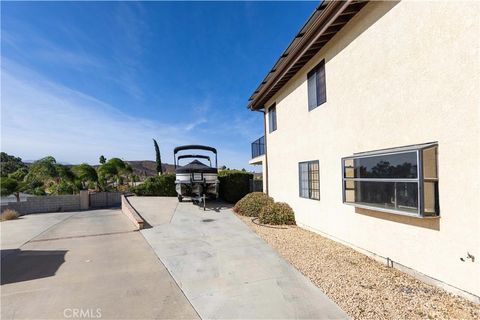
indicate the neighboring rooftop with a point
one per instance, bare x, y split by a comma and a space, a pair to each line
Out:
327, 19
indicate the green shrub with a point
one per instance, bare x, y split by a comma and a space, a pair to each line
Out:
163, 185
234, 184
277, 213
252, 204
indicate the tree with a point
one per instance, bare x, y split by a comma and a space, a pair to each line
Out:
102, 159
158, 158
128, 171
10, 186
106, 172
42, 170
9, 164
111, 170
54, 177
19, 175
86, 174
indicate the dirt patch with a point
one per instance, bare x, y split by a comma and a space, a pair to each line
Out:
361, 286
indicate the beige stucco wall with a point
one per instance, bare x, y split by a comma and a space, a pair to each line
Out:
397, 74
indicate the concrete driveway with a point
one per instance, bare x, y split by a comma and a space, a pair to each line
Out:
88, 264
226, 271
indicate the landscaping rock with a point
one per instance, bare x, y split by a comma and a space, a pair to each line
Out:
361, 286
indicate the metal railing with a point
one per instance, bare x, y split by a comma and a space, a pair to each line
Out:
258, 147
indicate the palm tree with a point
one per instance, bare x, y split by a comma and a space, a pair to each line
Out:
86, 174
55, 178
106, 172
128, 171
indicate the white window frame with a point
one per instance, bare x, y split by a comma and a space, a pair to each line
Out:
418, 149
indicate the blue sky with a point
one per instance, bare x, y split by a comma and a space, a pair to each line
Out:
81, 79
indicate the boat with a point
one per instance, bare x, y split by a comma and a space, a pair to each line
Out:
196, 180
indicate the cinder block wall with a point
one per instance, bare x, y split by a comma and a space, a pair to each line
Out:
44, 204
105, 199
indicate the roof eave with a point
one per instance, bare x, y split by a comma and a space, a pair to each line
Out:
325, 22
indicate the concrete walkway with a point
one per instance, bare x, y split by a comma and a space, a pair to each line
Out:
89, 264
228, 272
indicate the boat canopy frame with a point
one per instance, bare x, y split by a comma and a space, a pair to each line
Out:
194, 147
197, 156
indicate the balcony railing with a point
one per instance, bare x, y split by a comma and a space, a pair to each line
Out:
258, 147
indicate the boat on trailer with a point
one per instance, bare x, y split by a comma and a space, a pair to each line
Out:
196, 180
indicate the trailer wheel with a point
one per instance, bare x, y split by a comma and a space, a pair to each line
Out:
180, 198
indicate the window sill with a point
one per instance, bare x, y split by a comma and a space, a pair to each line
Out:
308, 198
392, 211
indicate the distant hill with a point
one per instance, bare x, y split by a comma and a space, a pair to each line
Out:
148, 167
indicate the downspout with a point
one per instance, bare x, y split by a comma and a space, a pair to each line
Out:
265, 167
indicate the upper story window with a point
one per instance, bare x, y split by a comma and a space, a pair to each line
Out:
309, 179
401, 180
317, 90
272, 118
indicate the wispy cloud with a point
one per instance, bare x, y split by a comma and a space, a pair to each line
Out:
40, 117
49, 52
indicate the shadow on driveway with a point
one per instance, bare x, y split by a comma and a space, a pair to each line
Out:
25, 265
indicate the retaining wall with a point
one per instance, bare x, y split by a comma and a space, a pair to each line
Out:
132, 213
43, 204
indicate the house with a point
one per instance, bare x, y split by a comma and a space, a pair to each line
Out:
372, 134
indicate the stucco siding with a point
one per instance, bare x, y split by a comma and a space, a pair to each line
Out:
397, 74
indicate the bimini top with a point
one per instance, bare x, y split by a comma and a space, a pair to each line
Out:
196, 167
194, 147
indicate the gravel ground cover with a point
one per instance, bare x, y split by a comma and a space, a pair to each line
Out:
361, 286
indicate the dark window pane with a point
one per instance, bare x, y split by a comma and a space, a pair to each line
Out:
400, 165
321, 85
401, 196
272, 119
303, 179
317, 91
312, 90
430, 196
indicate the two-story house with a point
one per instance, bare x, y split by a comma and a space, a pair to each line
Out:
372, 133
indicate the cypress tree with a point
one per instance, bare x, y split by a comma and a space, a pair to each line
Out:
158, 159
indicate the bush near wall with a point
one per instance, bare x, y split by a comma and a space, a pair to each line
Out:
252, 204
234, 184
163, 185
9, 214
277, 213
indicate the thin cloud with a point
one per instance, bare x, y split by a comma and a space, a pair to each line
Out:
40, 117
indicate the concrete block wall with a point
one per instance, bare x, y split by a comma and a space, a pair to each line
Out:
60, 203
45, 204
105, 199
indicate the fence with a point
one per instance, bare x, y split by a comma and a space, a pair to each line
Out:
256, 185
43, 204
105, 199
